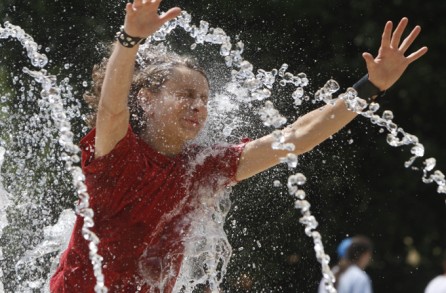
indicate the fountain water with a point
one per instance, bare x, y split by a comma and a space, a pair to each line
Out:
245, 87
51, 111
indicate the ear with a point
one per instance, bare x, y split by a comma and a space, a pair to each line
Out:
145, 101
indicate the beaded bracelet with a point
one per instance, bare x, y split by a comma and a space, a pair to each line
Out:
127, 40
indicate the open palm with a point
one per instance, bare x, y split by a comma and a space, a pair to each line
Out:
386, 68
142, 18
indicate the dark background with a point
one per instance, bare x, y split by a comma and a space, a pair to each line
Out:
355, 188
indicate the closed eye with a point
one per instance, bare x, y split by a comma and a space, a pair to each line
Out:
184, 95
191, 95
205, 99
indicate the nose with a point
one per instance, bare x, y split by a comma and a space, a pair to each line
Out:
198, 104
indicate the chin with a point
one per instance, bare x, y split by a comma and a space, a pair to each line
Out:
190, 134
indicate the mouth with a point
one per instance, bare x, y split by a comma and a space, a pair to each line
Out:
194, 122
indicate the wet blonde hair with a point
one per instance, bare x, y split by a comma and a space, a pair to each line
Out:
152, 69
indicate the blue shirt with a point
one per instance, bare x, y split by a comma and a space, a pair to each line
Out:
354, 280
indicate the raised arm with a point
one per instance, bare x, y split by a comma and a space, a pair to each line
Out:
141, 20
313, 128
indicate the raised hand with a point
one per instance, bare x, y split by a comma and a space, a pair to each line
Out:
386, 68
142, 18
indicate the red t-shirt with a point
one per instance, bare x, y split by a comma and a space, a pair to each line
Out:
140, 198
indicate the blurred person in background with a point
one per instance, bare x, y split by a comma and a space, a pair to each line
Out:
355, 255
438, 284
341, 251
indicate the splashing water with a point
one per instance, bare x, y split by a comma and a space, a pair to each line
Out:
4, 203
397, 137
259, 86
51, 105
207, 249
207, 243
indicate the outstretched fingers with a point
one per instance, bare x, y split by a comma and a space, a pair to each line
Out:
147, 11
396, 37
132, 8
129, 9
170, 14
145, 4
387, 33
415, 55
154, 2
410, 39
137, 3
368, 58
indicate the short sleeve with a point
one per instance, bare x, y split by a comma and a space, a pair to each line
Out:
230, 162
219, 164
95, 165
110, 178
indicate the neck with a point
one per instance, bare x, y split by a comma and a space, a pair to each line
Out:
164, 145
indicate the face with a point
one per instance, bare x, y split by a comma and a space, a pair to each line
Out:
178, 112
365, 259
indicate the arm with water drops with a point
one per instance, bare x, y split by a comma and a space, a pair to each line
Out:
141, 20
316, 126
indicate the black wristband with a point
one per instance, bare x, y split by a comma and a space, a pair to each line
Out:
127, 40
367, 90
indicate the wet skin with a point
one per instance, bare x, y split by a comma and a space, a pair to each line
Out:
178, 112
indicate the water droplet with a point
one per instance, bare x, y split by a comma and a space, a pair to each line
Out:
300, 194
373, 107
332, 86
297, 95
283, 69
387, 115
303, 205
290, 160
430, 164
418, 150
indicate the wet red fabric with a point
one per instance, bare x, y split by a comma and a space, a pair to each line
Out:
140, 198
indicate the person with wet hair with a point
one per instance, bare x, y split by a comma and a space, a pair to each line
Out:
145, 178
150, 73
